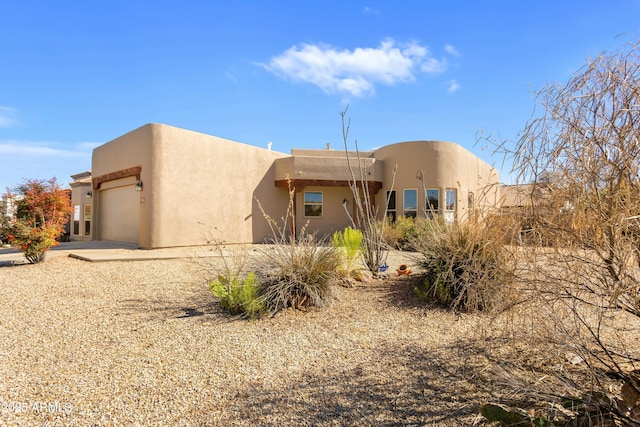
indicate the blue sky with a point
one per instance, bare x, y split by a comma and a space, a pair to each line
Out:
77, 74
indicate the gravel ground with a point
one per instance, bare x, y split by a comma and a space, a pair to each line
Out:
144, 343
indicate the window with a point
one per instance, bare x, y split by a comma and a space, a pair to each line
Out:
433, 202
76, 220
450, 205
391, 205
410, 203
87, 220
312, 203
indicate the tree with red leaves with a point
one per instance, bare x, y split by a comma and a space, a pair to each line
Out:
43, 209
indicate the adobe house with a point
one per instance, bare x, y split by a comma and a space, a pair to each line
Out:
161, 186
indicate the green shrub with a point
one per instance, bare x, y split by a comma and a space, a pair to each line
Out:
464, 268
299, 274
348, 243
406, 232
239, 295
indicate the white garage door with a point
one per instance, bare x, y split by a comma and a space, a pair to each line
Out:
119, 214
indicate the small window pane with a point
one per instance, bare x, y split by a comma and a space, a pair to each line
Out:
433, 200
391, 197
410, 203
451, 199
410, 200
312, 197
87, 220
312, 203
312, 210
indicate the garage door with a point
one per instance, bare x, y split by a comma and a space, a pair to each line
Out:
119, 214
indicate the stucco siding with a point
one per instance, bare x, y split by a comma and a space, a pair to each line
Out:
207, 187
194, 188
334, 217
439, 165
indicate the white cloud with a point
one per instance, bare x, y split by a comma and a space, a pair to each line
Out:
354, 72
42, 160
453, 86
7, 116
45, 149
451, 50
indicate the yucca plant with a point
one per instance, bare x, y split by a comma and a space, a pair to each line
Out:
348, 244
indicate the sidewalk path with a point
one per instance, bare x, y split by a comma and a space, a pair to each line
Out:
101, 251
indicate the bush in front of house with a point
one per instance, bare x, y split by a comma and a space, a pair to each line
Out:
239, 295
464, 267
298, 274
407, 232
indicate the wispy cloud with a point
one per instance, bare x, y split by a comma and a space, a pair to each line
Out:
45, 149
42, 160
370, 10
8, 116
453, 86
451, 50
355, 72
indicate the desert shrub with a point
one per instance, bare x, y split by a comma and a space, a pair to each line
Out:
406, 232
348, 244
464, 268
238, 289
295, 271
239, 295
579, 157
299, 274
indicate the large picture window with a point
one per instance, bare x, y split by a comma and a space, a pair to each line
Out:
312, 204
391, 205
432, 197
410, 203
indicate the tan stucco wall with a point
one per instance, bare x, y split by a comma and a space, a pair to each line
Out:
332, 168
196, 187
441, 165
334, 217
130, 150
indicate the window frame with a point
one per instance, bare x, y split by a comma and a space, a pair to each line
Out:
431, 213
449, 191
305, 203
392, 213
404, 203
450, 212
75, 229
87, 219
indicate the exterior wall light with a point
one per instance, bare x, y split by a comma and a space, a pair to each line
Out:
139, 186
89, 194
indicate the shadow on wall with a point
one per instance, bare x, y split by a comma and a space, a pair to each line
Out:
274, 201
